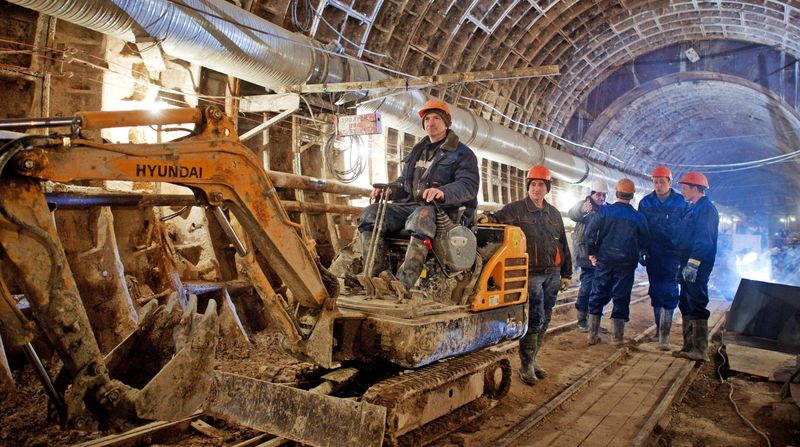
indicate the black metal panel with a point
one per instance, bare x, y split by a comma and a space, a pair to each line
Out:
767, 311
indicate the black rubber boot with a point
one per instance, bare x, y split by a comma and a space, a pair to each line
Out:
540, 373
665, 325
528, 347
687, 337
699, 342
619, 331
583, 325
594, 329
410, 269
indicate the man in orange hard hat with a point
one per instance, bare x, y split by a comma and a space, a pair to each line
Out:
549, 263
663, 209
613, 240
697, 243
439, 168
582, 213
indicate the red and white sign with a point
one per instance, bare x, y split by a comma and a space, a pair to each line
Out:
368, 124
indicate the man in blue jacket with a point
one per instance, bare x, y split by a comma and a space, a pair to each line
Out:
663, 209
439, 168
697, 242
614, 239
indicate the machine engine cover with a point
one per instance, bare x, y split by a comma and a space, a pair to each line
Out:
457, 248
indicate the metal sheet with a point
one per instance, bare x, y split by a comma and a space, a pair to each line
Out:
296, 414
767, 311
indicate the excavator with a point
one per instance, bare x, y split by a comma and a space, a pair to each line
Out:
433, 345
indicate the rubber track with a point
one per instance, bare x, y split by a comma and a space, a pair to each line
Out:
395, 390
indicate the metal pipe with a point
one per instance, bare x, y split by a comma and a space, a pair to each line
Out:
44, 377
36, 123
223, 37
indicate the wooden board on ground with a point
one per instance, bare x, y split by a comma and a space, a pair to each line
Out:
760, 362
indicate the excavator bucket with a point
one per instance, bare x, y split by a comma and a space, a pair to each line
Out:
175, 352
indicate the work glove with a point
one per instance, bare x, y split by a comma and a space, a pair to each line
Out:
689, 271
481, 218
643, 258
565, 282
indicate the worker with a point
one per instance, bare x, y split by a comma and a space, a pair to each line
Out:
613, 240
582, 213
697, 245
549, 263
663, 209
439, 168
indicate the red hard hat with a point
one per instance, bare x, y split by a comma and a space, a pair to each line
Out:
434, 104
695, 178
539, 172
662, 171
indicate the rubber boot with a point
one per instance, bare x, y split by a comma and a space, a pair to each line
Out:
583, 325
663, 329
687, 337
528, 347
594, 329
540, 373
657, 319
699, 342
380, 253
619, 331
410, 269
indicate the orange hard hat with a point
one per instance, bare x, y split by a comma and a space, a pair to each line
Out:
434, 104
662, 171
695, 178
626, 186
539, 172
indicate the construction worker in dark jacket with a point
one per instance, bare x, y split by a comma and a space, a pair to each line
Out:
582, 213
697, 242
663, 209
439, 168
614, 239
549, 263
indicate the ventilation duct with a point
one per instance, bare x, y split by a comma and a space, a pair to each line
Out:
225, 38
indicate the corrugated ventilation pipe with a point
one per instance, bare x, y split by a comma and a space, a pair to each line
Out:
274, 57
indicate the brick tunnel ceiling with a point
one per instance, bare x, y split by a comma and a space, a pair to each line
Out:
626, 84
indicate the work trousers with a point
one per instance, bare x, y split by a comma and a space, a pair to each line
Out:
587, 279
694, 295
662, 272
418, 220
612, 283
542, 291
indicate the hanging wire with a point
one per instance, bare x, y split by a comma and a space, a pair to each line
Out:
310, 9
730, 397
353, 159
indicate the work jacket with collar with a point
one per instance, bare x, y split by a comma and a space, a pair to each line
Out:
663, 221
548, 251
616, 235
453, 170
697, 237
581, 220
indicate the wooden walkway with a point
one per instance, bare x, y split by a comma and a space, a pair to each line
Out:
613, 410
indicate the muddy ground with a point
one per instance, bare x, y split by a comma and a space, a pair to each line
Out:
704, 418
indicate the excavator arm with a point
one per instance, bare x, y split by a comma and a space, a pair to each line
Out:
221, 172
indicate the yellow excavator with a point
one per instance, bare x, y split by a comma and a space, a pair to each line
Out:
434, 344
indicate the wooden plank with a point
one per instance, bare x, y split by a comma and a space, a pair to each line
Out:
758, 362
518, 430
154, 432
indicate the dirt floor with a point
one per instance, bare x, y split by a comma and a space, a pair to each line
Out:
704, 418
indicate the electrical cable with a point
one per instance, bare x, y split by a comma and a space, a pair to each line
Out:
730, 397
361, 48
354, 160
